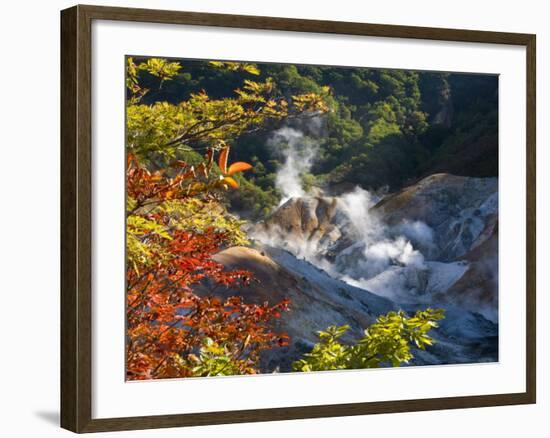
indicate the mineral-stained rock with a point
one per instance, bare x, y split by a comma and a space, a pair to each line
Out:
303, 220
456, 208
477, 289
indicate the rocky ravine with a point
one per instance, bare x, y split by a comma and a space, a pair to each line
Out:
345, 260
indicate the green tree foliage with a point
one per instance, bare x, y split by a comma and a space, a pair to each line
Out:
163, 128
214, 360
178, 174
378, 128
389, 341
389, 127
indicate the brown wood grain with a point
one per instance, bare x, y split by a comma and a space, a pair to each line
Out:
76, 222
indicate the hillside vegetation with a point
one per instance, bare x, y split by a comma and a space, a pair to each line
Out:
384, 128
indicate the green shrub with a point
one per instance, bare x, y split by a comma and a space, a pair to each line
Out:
386, 342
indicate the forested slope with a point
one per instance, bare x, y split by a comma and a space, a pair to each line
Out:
386, 128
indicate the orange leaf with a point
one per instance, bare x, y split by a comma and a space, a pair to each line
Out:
231, 182
222, 160
238, 167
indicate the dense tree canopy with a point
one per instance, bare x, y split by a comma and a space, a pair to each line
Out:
379, 128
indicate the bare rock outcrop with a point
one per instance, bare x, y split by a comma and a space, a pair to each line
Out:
456, 208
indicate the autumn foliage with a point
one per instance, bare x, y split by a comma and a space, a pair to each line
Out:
171, 330
176, 222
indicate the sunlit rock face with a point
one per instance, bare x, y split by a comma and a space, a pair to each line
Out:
305, 226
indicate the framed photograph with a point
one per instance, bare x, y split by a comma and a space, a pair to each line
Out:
270, 218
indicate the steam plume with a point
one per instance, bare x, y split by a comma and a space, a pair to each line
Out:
298, 152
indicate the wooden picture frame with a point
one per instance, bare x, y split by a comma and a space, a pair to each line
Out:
76, 217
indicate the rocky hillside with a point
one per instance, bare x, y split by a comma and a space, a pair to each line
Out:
409, 246
462, 214
461, 211
347, 259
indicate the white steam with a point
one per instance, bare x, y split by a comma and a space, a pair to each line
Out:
356, 206
299, 153
378, 246
357, 246
382, 259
